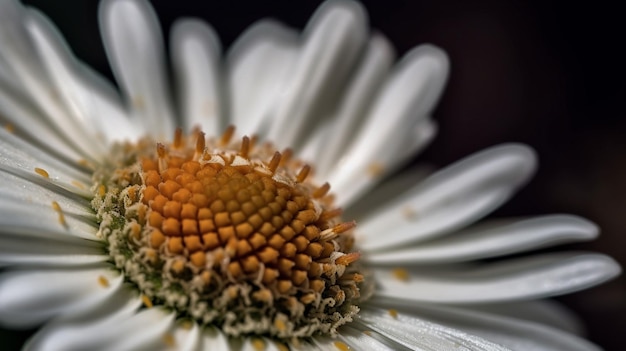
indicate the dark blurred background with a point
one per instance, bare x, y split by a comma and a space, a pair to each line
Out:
548, 74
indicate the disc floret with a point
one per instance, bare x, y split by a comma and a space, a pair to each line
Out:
229, 234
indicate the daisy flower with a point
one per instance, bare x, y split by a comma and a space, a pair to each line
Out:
197, 213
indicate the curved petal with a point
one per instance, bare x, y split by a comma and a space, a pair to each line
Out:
146, 330
371, 72
28, 162
451, 198
40, 221
186, 336
522, 279
472, 244
28, 298
332, 39
26, 252
91, 104
133, 42
80, 330
415, 333
510, 332
195, 52
258, 67
214, 340
17, 189
407, 97
547, 312
29, 123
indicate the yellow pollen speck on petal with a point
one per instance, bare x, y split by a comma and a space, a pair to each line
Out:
168, 340
78, 184
9, 128
409, 213
400, 274
138, 102
375, 169
146, 301
187, 325
393, 313
258, 344
341, 346
104, 282
42, 172
282, 347
57, 208
367, 332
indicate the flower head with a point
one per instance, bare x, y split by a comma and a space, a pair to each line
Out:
146, 220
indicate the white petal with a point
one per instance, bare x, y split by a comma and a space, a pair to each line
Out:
73, 115
41, 221
256, 344
186, 338
145, 330
31, 124
371, 72
17, 189
511, 332
90, 101
451, 198
214, 340
83, 330
546, 312
28, 298
258, 69
358, 340
417, 334
134, 45
22, 159
334, 36
522, 279
15, 250
195, 52
407, 97
509, 238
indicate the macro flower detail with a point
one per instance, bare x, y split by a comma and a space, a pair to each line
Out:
251, 203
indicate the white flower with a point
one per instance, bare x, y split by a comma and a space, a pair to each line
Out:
333, 96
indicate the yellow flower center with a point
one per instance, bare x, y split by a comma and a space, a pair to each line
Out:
229, 234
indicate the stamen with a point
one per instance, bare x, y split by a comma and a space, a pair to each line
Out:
331, 233
245, 147
287, 154
161, 152
227, 135
274, 162
348, 258
200, 145
178, 138
321, 191
42, 172
326, 215
304, 172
